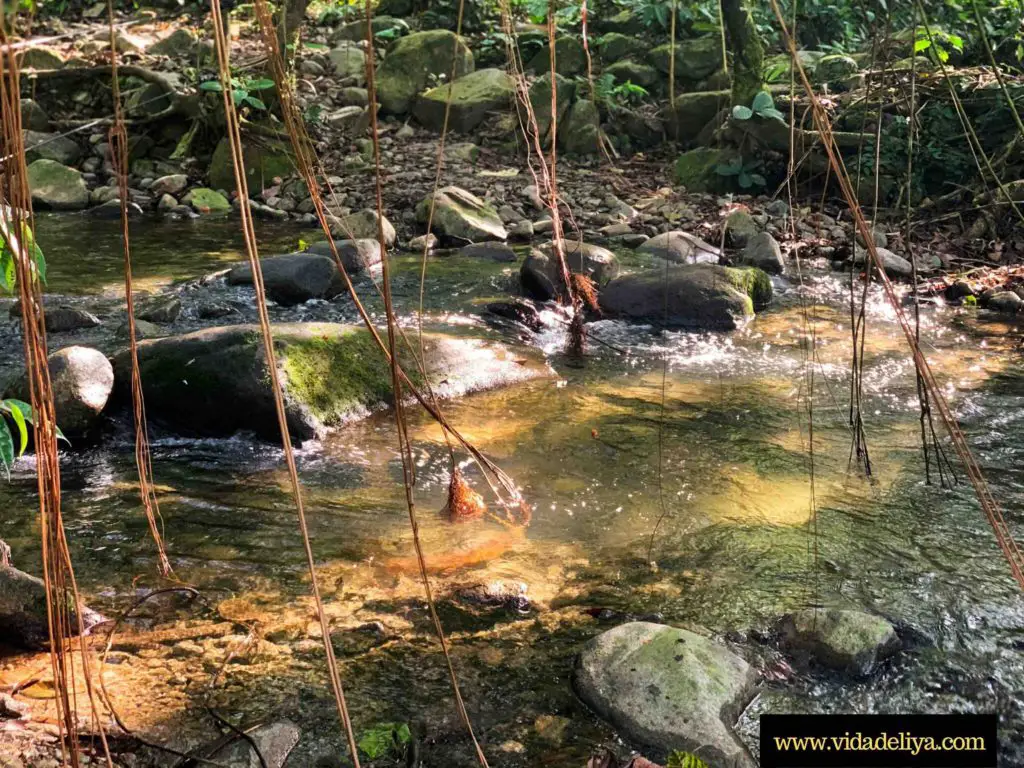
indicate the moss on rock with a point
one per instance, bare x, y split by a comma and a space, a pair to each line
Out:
263, 163
409, 66
754, 282
472, 97
695, 169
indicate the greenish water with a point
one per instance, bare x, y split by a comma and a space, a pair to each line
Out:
722, 508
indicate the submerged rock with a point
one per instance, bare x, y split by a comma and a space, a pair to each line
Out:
681, 248
215, 381
462, 215
518, 310
851, 641
23, 613
293, 278
82, 380
668, 688
492, 251
704, 297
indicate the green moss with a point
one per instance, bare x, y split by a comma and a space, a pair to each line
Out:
695, 169
336, 375
754, 282
262, 164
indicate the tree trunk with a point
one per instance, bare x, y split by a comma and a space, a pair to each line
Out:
747, 52
290, 21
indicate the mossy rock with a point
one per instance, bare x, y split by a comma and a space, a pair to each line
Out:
702, 297
56, 186
38, 57
263, 163
570, 58
581, 134
629, 71
216, 382
356, 30
540, 99
694, 111
415, 59
204, 200
349, 62
462, 216
616, 46
695, 59
696, 169
835, 68
850, 641
472, 97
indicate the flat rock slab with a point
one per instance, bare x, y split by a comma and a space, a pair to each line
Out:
215, 381
668, 688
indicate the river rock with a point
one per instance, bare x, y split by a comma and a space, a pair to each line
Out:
50, 146
681, 248
668, 688
171, 184
492, 251
519, 310
165, 310
215, 381
540, 100
462, 215
764, 253
627, 71
56, 186
570, 58
23, 614
353, 97
412, 62
349, 61
293, 278
695, 59
181, 42
705, 297
40, 57
362, 225
851, 641
693, 112
740, 227
541, 277
472, 97
111, 210
34, 117
581, 134
263, 163
615, 46
275, 741
356, 255
82, 380
356, 30
204, 200
1005, 301
895, 266
61, 319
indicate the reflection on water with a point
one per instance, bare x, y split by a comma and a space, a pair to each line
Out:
728, 493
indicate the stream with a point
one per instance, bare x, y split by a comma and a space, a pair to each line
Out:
668, 478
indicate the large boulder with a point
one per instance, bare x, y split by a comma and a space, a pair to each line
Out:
705, 297
581, 133
695, 59
628, 71
461, 215
82, 381
763, 251
56, 186
697, 169
570, 58
356, 255
541, 278
293, 278
409, 66
669, 689
50, 146
215, 381
693, 111
681, 248
472, 97
362, 225
263, 163
540, 100
850, 641
23, 612
349, 61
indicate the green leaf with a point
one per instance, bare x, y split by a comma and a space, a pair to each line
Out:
685, 760
19, 422
39, 260
239, 96
956, 41
6, 448
254, 102
745, 180
758, 179
402, 734
922, 45
739, 112
384, 739
942, 54
211, 85
316, 46
7, 268
762, 101
260, 84
773, 113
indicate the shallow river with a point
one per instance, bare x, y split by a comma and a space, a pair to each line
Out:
681, 493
